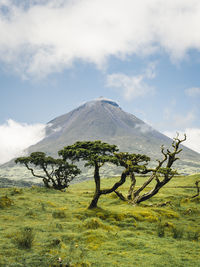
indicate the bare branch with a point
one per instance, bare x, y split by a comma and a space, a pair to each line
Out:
198, 189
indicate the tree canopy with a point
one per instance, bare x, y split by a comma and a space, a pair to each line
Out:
161, 174
56, 173
96, 154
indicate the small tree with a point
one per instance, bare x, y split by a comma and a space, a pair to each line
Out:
57, 173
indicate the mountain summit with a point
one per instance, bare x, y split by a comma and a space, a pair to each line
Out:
103, 119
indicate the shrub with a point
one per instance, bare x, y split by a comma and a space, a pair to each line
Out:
24, 238
5, 202
59, 214
30, 213
55, 242
177, 232
160, 230
93, 223
16, 191
193, 235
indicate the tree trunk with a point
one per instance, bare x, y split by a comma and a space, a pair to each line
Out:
94, 201
132, 186
152, 192
97, 193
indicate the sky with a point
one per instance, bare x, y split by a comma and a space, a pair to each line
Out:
57, 54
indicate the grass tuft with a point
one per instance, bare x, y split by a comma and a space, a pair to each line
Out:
16, 191
24, 238
58, 214
5, 202
177, 232
160, 230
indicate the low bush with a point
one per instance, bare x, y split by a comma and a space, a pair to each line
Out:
193, 235
58, 214
95, 223
55, 242
5, 201
160, 230
24, 238
16, 191
177, 232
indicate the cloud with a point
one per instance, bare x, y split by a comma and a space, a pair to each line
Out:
181, 120
174, 119
132, 86
144, 128
15, 137
41, 37
194, 91
193, 137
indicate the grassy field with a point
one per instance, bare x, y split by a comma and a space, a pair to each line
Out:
39, 226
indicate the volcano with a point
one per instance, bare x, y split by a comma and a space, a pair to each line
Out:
103, 119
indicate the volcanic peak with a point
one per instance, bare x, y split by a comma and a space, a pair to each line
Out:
101, 99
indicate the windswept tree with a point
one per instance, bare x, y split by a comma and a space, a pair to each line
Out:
161, 174
56, 173
96, 154
133, 163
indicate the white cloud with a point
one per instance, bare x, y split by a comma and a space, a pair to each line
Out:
47, 36
193, 137
144, 128
177, 120
183, 120
193, 91
132, 86
15, 137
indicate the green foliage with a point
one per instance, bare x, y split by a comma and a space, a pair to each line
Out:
178, 232
5, 202
24, 238
160, 229
55, 242
193, 235
59, 214
133, 162
16, 191
95, 223
90, 151
57, 173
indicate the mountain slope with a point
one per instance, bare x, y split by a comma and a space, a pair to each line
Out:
100, 119
103, 119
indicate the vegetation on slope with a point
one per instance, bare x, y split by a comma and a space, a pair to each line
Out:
45, 227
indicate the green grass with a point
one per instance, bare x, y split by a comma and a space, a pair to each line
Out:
38, 226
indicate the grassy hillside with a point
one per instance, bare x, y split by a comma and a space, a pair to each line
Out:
38, 226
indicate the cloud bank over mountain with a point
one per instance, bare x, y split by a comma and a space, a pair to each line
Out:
193, 137
15, 137
49, 36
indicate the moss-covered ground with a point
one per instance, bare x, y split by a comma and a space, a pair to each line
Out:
38, 226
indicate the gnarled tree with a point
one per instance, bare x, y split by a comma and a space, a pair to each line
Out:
56, 173
96, 154
162, 174
133, 163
